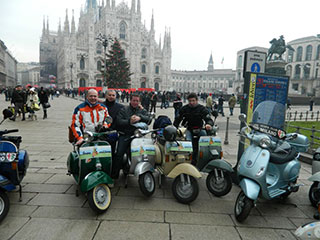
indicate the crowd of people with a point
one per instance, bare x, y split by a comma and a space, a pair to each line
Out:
28, 101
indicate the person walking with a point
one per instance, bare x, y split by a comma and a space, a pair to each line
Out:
44, 101
19, 99
153, 102
311, 102
209, 103
177, 104
32, 103
232, 102
220, 105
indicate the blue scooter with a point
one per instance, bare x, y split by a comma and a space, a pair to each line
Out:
269, 167
13, 165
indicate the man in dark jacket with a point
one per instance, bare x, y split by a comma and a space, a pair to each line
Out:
19, 99
44, 99
127, 117
194, 115
113, 107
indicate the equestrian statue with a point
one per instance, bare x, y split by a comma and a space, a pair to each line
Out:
279, 47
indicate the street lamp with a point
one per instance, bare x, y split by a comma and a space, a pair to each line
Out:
71, 66
104, 40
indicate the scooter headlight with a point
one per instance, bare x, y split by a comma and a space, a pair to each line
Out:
265, 142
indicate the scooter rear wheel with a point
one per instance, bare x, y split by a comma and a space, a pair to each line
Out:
242, 207
4, 205
219, 182
314, 194
185, 188
99, 198
147, 184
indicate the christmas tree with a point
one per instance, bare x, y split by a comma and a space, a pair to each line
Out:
117, 67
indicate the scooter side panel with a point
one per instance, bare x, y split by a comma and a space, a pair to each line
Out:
143, 167
6, 184
142, 150
217, 163
315, 177
209, 149
93, 179
250, 188
185, 168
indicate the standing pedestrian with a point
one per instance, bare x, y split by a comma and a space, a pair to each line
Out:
19, 99
220, 105
311, 103
153, 102
44, 101
232, 102
177, 104
209, 103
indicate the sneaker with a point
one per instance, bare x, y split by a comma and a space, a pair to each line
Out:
111, 185
23, 119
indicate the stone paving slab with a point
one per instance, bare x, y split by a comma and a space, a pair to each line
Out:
179, 231
46, 188
66, 200
53, 229
11, 225
160, 204
36, 178
198, 218
64, 213
132, 231
266, 222
133, 215
21, 210
61, 179
264, 234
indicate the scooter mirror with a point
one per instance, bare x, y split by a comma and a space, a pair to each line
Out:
242, 117
7, 113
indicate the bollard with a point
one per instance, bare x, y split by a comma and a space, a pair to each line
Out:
317, 116
295, 115
307, 115
313, 134
226, 141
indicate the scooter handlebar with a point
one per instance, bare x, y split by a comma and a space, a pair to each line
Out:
8, 131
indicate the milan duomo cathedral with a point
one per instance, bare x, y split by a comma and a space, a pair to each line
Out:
72, 58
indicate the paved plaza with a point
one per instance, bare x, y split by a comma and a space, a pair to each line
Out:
50, 209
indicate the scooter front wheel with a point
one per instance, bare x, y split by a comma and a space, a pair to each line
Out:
242, 207
219, 182
185, 188
99, 198
147, 184
4, 205
314, 194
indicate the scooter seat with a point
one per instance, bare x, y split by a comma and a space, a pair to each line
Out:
281, 158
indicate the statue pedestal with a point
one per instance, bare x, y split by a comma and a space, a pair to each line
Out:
276, 67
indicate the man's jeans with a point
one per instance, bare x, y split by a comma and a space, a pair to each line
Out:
195, 144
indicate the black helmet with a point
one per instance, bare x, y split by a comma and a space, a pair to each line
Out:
170, 133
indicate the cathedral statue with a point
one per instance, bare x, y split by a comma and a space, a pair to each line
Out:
279, 47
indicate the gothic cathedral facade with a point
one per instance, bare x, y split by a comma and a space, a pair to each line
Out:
72, 58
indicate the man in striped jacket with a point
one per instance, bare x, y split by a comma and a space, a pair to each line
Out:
88, 115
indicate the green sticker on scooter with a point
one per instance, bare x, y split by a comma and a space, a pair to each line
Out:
209, 141
95, 152
143, 150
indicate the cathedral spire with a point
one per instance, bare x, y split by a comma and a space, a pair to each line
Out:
48, 25
66, 23
102, 3
160, 42
139, 7
152, 22
108, 3
133, 6
113, 4
73, 25
59, 28
210, 64
44, 26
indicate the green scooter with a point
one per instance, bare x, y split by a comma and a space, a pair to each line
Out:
90, 165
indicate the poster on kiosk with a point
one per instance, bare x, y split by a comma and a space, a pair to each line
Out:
259, 87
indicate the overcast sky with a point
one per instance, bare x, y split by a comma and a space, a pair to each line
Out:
198, 27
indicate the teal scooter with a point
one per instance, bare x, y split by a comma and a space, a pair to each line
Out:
269, 167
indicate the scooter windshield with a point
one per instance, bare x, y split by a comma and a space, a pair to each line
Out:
269, 113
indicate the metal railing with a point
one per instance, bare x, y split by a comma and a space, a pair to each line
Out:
303, 116
311, 137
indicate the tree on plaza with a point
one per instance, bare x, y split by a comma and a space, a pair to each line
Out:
117, 67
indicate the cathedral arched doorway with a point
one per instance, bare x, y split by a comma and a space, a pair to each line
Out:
156, 86
82, 82
99, 83
143, 85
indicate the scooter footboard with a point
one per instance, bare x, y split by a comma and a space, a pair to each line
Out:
315, 177
185, 168
93, 179
143, 167
250, 188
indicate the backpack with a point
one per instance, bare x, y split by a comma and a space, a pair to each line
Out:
161, 122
